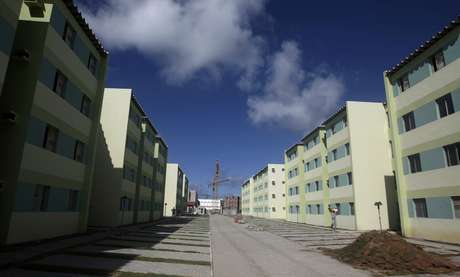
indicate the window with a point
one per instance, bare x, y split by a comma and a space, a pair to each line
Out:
85, 105
92, 62
456, 202
420, 207
69, 35
338, 208
45, 198
79, 151
445, 105
352, 208
273, 209
350, 178
51, 137
414, 163
316, 162
452, 153
273, 170
317, 185
310, 209
296, 190
273, 183
318, 209
347, 149
345, 122
60, 84
437, 61
273, 196
73, 198
308, 187
334, 154
409, 121
403, 83
336, 181
284, 195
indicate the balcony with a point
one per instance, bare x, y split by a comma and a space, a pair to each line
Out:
338, 138
432, 131
440, 79
339, 164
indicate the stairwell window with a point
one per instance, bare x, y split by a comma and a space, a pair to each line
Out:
403, 83
409, 121
45, 198
437, 61
51, 138
60, 84
85, 107
452, 154
79, 151
69, 35
456, 202
445, 105
414, 163
420, 207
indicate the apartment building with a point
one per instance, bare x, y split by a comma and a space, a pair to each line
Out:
161, 159
346, 164
246, 196
126, 184
9, 15
423, 95
173, 189
264, 194
49, 130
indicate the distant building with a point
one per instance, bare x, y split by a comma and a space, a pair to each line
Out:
423, 96
208, 206
231, 205
264, 194
52, 74
192, 202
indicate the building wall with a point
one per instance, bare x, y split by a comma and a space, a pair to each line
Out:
294, 183
65, 179
437, 182
278, 189
171, 188
9, 15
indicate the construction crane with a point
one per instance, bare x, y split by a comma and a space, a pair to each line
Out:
216, 181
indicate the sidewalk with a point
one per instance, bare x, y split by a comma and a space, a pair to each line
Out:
18, 255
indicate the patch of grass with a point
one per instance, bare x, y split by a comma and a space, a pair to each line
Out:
135, 257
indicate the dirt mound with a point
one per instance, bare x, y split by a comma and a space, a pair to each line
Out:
392, 254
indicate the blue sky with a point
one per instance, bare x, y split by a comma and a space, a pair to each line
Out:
234, 80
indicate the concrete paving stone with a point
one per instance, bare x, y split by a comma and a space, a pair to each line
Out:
179, 234
151, 253
160, 240
441, 245
125, 265
172, 236
15, 272
133, 244
440, 251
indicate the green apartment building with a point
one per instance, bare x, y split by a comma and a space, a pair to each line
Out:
423, 95
246, 196
129, 183
9, 15
346, 164
49, 129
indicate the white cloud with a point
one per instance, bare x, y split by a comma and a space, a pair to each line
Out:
186, 37
293, 99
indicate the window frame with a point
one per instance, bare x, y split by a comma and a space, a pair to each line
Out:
415, 164
404, 83
79, 145
420, 206
50, 129
85, 106
409, 121
452, 154
69, 29
445, 105
434, 61
44, 200
60, 77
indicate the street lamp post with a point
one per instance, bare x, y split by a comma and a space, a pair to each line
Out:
378, 204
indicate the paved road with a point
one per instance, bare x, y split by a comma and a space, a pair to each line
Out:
237, 251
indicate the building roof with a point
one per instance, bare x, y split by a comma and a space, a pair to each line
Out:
334, 115
160, 138
439, 35
260, 172
312, 132
84, 25
293, 146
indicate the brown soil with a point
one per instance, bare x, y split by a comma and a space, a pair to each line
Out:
391, 254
